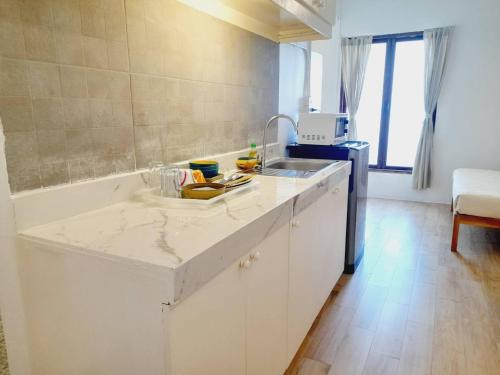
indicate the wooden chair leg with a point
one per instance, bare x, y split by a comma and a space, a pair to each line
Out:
456, 228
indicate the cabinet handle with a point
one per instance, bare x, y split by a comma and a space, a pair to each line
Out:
295, 223
336, 190
255, 256
245, 264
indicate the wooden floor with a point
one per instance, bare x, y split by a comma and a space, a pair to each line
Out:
412, 307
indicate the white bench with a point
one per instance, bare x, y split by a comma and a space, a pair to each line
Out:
476, 200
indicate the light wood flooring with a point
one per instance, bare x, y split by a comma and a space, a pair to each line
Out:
412, 307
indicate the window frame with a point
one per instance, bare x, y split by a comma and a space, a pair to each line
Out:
391, 41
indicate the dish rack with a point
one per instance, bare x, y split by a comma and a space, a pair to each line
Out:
152, 196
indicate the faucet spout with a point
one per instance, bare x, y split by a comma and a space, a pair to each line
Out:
269, 122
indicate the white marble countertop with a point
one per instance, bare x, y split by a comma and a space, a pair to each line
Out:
189, 245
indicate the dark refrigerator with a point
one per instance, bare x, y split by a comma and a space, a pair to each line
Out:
358, 153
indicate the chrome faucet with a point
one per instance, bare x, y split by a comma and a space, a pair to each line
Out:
271, 120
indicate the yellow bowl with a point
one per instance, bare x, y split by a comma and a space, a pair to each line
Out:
206, 190
246, 163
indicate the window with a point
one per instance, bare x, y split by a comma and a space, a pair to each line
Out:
391, 109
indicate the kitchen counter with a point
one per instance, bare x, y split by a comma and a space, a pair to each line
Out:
186, 247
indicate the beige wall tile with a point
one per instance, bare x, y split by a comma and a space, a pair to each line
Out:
67, 15
138, 62
123, 141
44, 80
10, 10
11, 39
124, 163
24, 178
158, 88
122, 113
140, 87
147, 112
108, 84
117, 55
98, 84
73, 82
51, 145
93, 21
147, 137
16, 114
36, 12
78, 144
40, 43
102, 140
81, 169
13, 78
146, 87
69, 48
177, 153
116, 22
54, 174
104, 166
144, 157
101, 113
21, 149
48, 113
22, 161
76, 113
95, 51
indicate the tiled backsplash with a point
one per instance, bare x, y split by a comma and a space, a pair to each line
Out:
94, 87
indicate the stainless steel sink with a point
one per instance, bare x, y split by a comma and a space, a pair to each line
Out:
295, 167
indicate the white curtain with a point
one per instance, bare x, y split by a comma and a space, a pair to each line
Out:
355, 53
436, 45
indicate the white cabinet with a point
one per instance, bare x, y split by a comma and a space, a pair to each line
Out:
236, 323
316, 260
267, 296
206, 333
277, 20
324, 8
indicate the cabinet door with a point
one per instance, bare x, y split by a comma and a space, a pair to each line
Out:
206, 333
334, 227
317, 248
323, 8
267, 305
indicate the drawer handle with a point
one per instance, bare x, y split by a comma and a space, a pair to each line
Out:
255, 256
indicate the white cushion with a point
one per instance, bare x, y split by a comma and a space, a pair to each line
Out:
476, 192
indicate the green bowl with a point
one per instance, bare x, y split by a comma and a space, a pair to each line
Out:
209, 168
196, 164
209, 173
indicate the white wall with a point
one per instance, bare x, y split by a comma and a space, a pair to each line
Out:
330, 49
292, 65
468, 118
11, 306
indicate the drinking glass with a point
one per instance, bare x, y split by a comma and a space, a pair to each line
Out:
154, 173
170, 183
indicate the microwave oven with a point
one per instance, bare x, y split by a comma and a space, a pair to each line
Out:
322, 128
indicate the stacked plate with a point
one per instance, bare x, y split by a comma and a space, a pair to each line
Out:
239, 181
